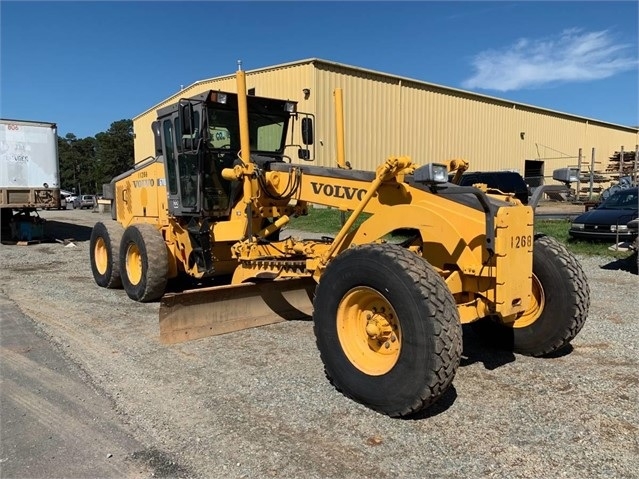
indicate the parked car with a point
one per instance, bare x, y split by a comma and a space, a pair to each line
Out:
71, 200
87, 201
633, 228
609, 220
504, 181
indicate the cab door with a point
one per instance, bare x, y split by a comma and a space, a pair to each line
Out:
182, 153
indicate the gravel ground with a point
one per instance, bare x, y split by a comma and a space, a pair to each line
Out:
256, 403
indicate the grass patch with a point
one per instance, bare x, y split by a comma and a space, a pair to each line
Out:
323, 220
559, 230
328, 221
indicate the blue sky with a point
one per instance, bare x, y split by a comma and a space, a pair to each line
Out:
84, 65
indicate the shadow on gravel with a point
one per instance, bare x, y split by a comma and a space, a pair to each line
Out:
185, 282
442, 405
60, 230
476, 351
565, 351
54, 231
628, 264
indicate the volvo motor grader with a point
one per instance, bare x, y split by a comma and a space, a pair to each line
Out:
387, 314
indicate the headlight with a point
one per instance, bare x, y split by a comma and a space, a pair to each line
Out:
431, 173
290, 107
620, 228
218, 96
577, 226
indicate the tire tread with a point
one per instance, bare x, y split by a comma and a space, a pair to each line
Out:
113, 232
448, 344
155, 276
580, 287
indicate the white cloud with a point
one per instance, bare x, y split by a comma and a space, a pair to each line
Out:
572, 56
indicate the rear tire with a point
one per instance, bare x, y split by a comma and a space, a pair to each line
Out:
143, 262
104, 252
565, 301
387, 329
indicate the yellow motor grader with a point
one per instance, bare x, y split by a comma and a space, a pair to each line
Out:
387, 315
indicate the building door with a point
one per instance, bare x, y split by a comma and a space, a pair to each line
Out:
534, 173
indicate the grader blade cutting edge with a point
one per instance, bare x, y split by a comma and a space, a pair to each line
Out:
206, 312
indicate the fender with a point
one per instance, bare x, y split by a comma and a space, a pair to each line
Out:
444, 242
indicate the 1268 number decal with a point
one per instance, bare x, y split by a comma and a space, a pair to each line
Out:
524, 241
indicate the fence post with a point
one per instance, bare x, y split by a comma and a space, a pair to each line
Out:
578, 191
592, 174
635, 173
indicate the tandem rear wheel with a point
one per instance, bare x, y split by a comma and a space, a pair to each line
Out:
387, 329
143, 262
561, 298
104, 252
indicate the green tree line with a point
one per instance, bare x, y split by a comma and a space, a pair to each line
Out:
87, 163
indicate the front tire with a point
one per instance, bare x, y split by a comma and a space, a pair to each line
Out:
561, 299
104, 252
143, 262
387, 329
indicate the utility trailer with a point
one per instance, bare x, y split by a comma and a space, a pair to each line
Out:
29, 175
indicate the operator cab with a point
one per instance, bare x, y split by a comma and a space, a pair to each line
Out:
200, 136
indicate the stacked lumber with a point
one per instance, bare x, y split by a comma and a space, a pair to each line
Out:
625, 166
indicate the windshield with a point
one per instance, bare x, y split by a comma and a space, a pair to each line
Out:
622, 200
266, 131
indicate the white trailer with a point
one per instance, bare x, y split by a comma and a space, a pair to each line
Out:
29, 175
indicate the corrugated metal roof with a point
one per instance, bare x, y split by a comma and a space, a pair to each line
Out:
443, 88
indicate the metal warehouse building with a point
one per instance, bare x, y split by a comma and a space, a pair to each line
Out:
388, 115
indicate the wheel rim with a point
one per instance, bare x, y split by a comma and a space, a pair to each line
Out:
537, 303
133, 264
368, 330
101, 256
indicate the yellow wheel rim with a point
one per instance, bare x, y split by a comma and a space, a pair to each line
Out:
537, 303
133, 264
101, 256
368, 331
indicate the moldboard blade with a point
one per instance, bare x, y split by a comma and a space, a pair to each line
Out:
206, 312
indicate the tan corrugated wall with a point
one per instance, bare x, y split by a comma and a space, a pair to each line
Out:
392, 116
370, 117
387, 115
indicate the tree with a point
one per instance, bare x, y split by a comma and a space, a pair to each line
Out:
66, 161
114, 151
87, 163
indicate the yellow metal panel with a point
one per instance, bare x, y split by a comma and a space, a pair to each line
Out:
142, 196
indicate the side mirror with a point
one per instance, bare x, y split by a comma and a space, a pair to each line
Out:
157, 137
303, 154
307, 131
186, 119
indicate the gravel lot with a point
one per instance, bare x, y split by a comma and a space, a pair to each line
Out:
256, 403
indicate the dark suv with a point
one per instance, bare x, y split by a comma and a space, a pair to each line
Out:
504, 181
